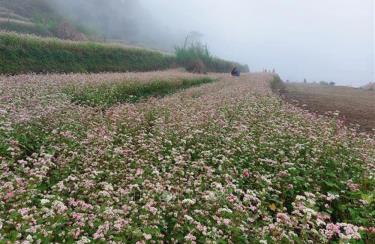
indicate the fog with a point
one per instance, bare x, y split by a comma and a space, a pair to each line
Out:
117, 20
317, 40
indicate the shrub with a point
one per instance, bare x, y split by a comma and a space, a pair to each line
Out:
197, 58
277, 85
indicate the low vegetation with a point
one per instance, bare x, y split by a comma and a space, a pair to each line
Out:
222, 162
109, 94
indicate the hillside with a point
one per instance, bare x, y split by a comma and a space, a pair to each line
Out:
20, 16
105, 21
37, 17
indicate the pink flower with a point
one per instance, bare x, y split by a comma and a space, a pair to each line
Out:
77, 216
231, 198
226, 222
352, 186
332, 230
282, 218
139, 172
23, 211
152, 209
190, 237
246, 173
147, 236
8, 196
76, 233
253, 208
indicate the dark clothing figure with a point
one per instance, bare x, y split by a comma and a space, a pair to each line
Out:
235, 72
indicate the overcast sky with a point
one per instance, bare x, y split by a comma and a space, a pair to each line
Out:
331, 40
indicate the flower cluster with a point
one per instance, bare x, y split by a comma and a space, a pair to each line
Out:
225, 161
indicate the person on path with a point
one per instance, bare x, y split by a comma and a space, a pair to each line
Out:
235, 71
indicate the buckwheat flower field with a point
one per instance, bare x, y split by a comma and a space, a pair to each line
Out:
227, 161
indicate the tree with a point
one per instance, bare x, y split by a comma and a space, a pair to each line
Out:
192, 38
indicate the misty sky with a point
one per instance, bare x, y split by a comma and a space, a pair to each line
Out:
331, 40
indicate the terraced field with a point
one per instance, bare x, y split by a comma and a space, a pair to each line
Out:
225, 161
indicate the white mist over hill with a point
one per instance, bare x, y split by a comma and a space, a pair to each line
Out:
317, 40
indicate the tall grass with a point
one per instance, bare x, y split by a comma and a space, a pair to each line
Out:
196, 57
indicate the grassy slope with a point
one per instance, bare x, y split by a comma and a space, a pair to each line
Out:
23, 54
26, 53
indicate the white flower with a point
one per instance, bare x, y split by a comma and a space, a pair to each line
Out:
84, 240
104, 194
300, 198
59, 207
189, 218
225, 210
331, 197
210, 196
29, 238
107, 186
44, 201
167, 196
188, 201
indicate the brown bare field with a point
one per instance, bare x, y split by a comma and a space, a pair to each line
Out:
355, 106
369, 86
